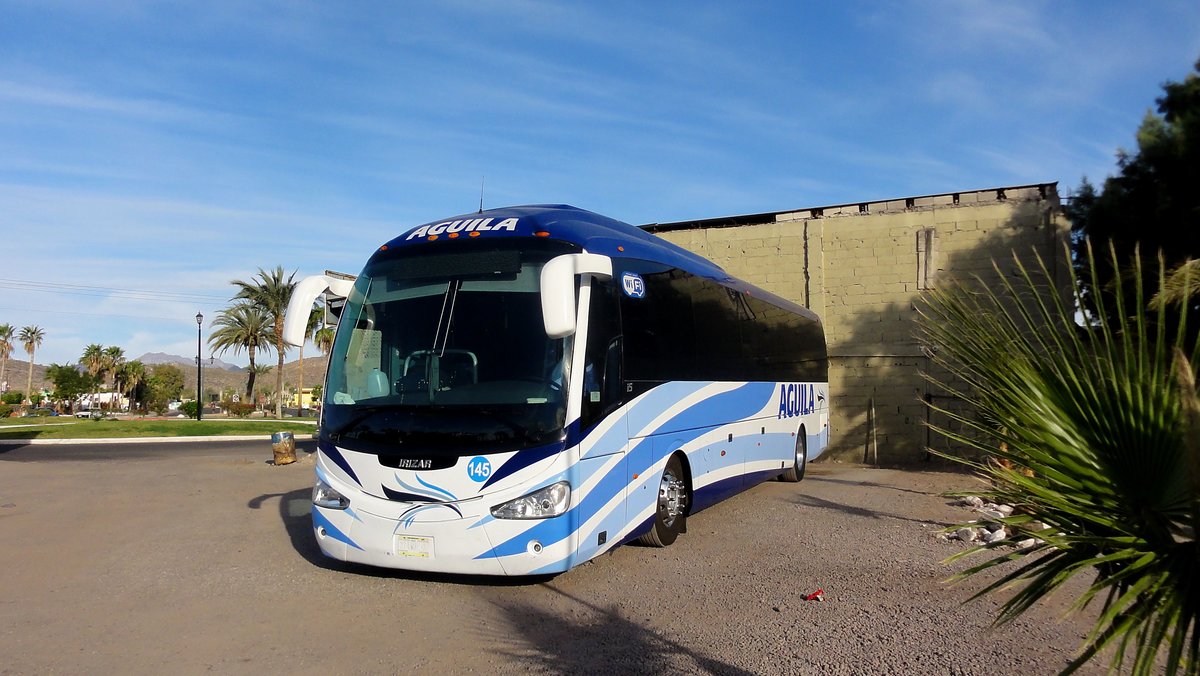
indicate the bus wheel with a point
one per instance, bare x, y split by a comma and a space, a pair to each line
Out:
671, 509
796, 471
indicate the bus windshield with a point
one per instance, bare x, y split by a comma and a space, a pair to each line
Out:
443, 352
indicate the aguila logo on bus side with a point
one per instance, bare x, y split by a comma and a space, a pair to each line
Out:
798, 399
464, 225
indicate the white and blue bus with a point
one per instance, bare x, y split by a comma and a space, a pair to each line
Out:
517, 391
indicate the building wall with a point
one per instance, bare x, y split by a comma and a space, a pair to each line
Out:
864, 269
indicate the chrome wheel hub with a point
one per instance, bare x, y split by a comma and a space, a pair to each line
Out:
672, 498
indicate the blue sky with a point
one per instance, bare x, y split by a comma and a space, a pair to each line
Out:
150, 152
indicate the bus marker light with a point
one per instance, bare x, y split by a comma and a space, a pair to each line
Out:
473, 234
454, 235
432, 237
541, 233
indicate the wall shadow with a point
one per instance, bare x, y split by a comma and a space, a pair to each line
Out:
821, 503
881, 363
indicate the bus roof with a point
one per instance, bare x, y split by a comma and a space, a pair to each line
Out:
595, 233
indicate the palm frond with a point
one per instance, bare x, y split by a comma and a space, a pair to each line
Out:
1106, 420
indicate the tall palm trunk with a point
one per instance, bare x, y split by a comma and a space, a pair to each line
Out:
253, 374
300, 380
29, 381
279, 373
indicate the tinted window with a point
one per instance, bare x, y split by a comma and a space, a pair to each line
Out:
691, 328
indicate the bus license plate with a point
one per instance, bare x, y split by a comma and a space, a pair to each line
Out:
414, 545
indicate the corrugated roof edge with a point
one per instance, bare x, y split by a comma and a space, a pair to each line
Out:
1043, 190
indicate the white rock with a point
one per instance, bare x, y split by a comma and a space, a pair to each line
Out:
973, 501
995, 536
1026, 543
966, 534
1006, 510
991, 514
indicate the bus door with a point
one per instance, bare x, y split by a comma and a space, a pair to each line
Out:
603, 429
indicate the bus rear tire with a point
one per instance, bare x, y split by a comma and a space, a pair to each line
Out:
800, 463
670, 513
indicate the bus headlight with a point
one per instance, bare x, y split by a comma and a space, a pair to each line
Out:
323, 495
540, 504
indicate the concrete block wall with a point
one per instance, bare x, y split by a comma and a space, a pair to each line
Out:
859, 268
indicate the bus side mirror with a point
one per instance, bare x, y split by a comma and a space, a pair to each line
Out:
295, 319
558, 289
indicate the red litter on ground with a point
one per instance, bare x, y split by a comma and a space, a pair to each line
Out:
818, 595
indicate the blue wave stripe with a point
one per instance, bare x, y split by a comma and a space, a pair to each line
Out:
319, 520
399, 496
522, 459
551, 531
338, 459
410, 514
736, 404
657, 400
612, 441
436, 496
430, 486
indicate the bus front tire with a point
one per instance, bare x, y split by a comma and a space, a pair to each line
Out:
800, 463
670, 513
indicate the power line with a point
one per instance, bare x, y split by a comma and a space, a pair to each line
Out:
188, 318
94, 291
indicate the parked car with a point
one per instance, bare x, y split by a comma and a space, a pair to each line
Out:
94, 414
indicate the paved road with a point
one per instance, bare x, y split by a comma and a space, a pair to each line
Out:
119, 451
186, 559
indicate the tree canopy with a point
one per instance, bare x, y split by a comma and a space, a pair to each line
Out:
1153, 202
69, 381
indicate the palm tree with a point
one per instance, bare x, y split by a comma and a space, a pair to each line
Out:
132, 374
242, 325
114, 357
324, 339
31, 338
271, 292
1098, 431
92, 359
6, 347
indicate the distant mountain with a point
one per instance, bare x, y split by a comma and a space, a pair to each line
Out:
152, 358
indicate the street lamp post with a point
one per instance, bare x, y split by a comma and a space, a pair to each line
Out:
199, 387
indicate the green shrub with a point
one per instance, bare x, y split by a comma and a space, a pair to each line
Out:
5, 410
13, 398
239, 409
189, 408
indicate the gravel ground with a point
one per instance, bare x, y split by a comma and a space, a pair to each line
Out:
206, 563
